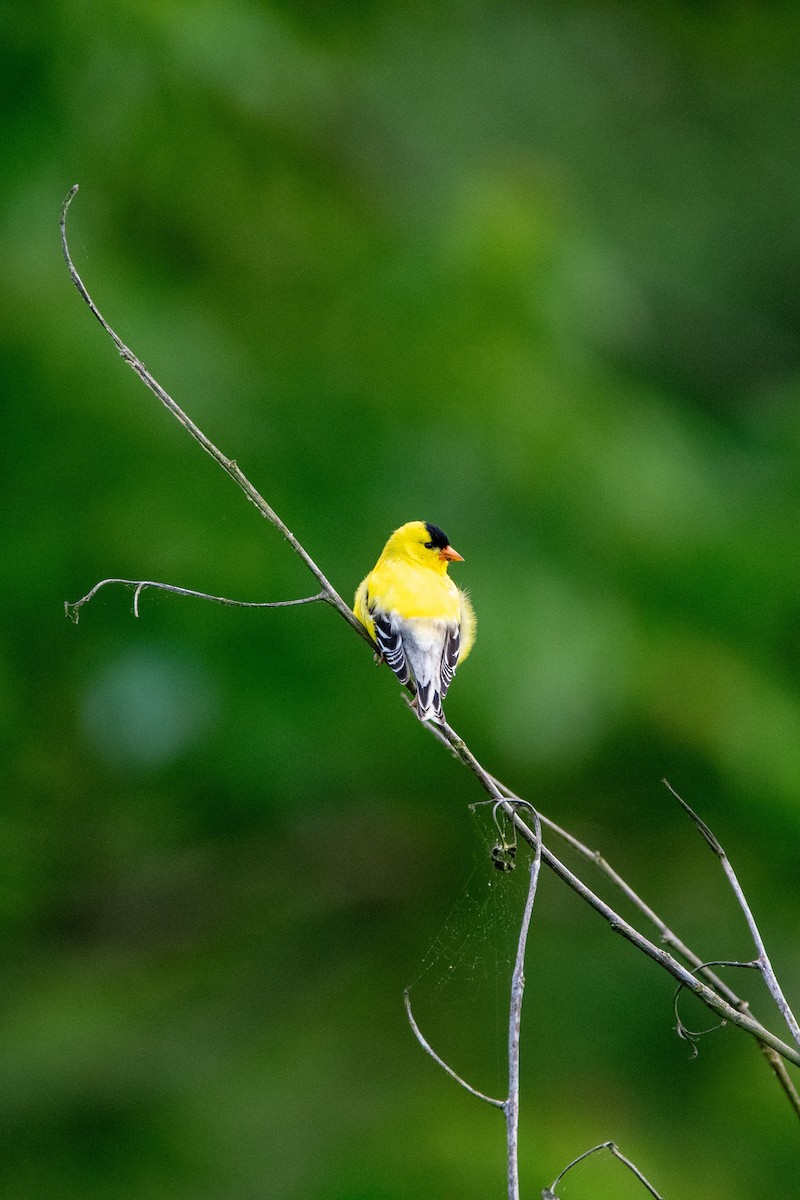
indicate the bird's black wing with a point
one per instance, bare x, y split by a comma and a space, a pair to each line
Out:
390, 645
450, 651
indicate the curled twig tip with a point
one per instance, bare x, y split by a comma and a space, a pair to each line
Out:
693, 1036
762, 962
70, 196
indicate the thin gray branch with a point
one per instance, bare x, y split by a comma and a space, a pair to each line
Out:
73, 609
511, 1106
228, 465
426, 1046
618, 925
667, 936
550, 1193
782, 1075
762, 960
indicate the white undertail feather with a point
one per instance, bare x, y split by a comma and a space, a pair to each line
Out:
425, 643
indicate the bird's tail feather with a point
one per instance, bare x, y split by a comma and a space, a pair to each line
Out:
429, 702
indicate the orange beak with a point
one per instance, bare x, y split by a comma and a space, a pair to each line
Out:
450, 555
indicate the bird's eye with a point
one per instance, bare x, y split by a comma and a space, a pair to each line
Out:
428, 545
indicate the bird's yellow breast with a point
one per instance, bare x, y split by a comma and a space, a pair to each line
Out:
403, 588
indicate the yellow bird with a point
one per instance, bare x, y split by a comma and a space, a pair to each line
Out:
423, 624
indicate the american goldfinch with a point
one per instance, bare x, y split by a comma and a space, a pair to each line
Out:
423, 624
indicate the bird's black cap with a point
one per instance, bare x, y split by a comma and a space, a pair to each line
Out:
439, 538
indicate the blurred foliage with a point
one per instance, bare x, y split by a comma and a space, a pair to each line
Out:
531, 272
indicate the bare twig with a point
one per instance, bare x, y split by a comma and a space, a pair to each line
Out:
782, 1075
550, 1193
511, 1106
228, 465
762, 961
426, 1046
618, 925
705, 993
693, 1036
73, 609
667, 936
457, 744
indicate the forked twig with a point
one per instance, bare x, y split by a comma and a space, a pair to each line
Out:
550, 1193
229, 465
668, 938
73, 609
510, 1105
617, 923
762, 961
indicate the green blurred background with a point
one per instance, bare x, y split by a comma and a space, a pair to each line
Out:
528, 271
